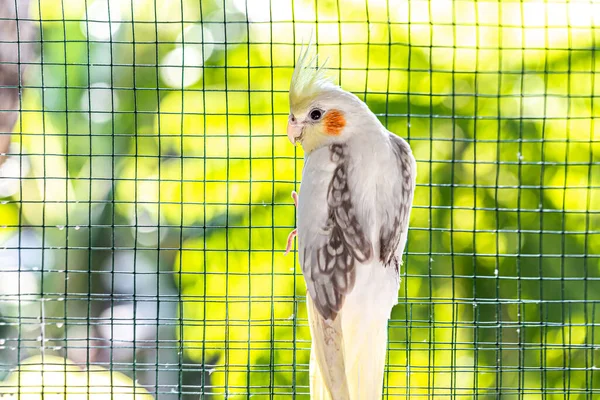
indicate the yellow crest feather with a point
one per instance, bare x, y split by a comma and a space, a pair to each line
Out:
309, 78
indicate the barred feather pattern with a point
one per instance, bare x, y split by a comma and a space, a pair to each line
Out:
330, 274
391, 234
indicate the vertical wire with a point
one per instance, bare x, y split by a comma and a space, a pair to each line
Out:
203, 379
137, 150
43, 240
475, 131
431, 320
158, 178
19, 250
476, 106
180, 347
409, 308
65, 308
591, 366
520, 309
272, 360
368, 51
294, 297
452, 186
497, 207
543, 305
135, 182
249, 258
112, 181
20, 214
432, 346
476, 296
227, 228
455, 310
566, 351
272, 297
89, 205
589, 344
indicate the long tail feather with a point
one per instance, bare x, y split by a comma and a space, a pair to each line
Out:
328, 375
318, 390
355, 343
365, 373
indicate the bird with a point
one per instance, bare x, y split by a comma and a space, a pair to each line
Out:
352, 219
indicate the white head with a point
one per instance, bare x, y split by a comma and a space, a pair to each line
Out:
320, 111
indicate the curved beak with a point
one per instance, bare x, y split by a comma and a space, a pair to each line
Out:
294, 130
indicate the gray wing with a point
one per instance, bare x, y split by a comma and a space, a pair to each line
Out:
329, 259
394, 228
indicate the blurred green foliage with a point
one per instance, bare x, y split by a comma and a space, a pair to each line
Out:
56, 378
162, 132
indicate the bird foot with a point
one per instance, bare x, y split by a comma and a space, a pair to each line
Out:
293, 233
290, 239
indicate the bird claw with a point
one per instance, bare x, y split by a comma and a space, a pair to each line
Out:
290, 238
293, 233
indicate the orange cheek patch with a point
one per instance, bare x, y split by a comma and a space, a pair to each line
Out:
334, 122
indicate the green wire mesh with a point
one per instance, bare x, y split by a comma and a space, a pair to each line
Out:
145, 181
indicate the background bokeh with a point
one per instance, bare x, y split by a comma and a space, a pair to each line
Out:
144, 203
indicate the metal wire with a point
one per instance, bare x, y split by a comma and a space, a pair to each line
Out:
144, 198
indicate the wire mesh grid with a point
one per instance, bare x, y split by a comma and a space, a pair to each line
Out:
145, 185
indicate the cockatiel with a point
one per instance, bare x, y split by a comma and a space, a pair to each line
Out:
352, 222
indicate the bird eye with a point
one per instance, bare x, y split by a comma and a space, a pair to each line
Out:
316, 114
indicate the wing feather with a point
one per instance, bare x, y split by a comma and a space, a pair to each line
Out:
393, 233
329, 260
